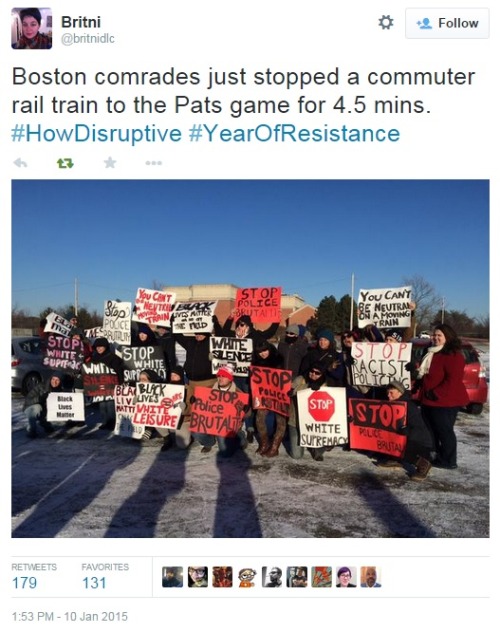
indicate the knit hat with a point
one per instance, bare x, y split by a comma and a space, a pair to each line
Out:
399, 386
394, 333
245, 319
325, 333
226, 371
293, 330
101, 342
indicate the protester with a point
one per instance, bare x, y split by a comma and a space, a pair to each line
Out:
182, 435
326, 354
35, 404
102, 352
442, 392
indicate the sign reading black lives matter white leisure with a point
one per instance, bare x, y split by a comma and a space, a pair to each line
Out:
390, 307
322, 417
65, 407
193, 317
234, 351
378, 363
116, 322
158, 405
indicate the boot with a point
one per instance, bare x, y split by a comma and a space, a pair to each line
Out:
262, 436
278, 438
423, 468
264, 444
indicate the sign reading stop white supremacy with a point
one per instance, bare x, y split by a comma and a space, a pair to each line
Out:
322, 417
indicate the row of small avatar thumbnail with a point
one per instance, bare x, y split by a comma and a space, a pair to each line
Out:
271, 577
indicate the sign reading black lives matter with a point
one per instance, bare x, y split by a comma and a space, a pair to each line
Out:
65, 407
63, 353
138, 358
57, 325
378, 363
234, 351
116, 322
389, 307
193, 317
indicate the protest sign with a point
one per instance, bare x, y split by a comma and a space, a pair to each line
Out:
138, 358
234, 351
153, 307
193, 317
322, 417
125, 407
390, 307
378, 363
65, 407
116, 321
378, 426
158, 405
99, 381
95, 332
217, 412
270, 389
63, 353
57, 325
262, 304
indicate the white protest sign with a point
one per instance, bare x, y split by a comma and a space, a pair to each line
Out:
57, 325
322, 417
125, 407
153, 307
378, 363
234, 351
116, 321
390, 307
193, 317
65, 407
158, 405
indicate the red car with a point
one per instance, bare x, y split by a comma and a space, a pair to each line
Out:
474, 372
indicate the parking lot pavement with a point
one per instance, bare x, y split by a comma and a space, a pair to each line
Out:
85, 482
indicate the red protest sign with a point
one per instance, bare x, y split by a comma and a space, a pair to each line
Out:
378, 426
262, 304
270, 389
216, 412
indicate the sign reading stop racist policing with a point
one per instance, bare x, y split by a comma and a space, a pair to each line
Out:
262, 304
378, 426
322, 417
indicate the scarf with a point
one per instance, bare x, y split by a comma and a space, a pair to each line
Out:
425, 365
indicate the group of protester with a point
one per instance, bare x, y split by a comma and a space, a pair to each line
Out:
313, 365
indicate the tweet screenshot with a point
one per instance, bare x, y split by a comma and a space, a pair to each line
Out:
247, 250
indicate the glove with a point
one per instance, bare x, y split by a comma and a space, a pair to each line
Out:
431, 395
246, 408
410, 366
192, 399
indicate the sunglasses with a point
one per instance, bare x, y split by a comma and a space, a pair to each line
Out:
315, 372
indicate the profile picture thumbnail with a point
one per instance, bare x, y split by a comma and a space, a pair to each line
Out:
370, 577
197, 577
296, 576
321, 577
172, 577
222, 576
31, 28
271, 576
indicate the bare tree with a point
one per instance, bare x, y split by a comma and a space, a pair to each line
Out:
426, 300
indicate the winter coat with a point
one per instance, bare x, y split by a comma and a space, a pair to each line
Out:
39, 393
256, 335
443, 385
198, 365
109, 358
293, 353
327, 358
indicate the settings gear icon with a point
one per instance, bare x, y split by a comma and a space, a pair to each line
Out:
386, 22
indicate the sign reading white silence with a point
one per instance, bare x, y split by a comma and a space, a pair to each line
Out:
390, 307
234, 351
378, 363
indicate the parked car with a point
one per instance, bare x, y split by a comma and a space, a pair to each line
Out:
474, 372
27, 363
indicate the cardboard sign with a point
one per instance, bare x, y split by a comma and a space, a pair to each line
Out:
58, 325
95, 332
153, 307
99, 381
193, 317
138, 358
216, 412
158, 405
385, 308
378, 426
116, 321
262, 304
378, 363
63, 353
270, 389
125, 407
65, 407
322, 417
234, 351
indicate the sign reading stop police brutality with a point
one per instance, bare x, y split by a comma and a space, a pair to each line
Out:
158, 405
234, 351
385, 308
63, 353
378, 363
193, 317
153, 307
262, 304
125, 409
116, 321
270, 389
378, 426
322, 417
57, 325
65, 407
216, 412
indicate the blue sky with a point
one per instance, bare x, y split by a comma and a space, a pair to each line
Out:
306, 236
